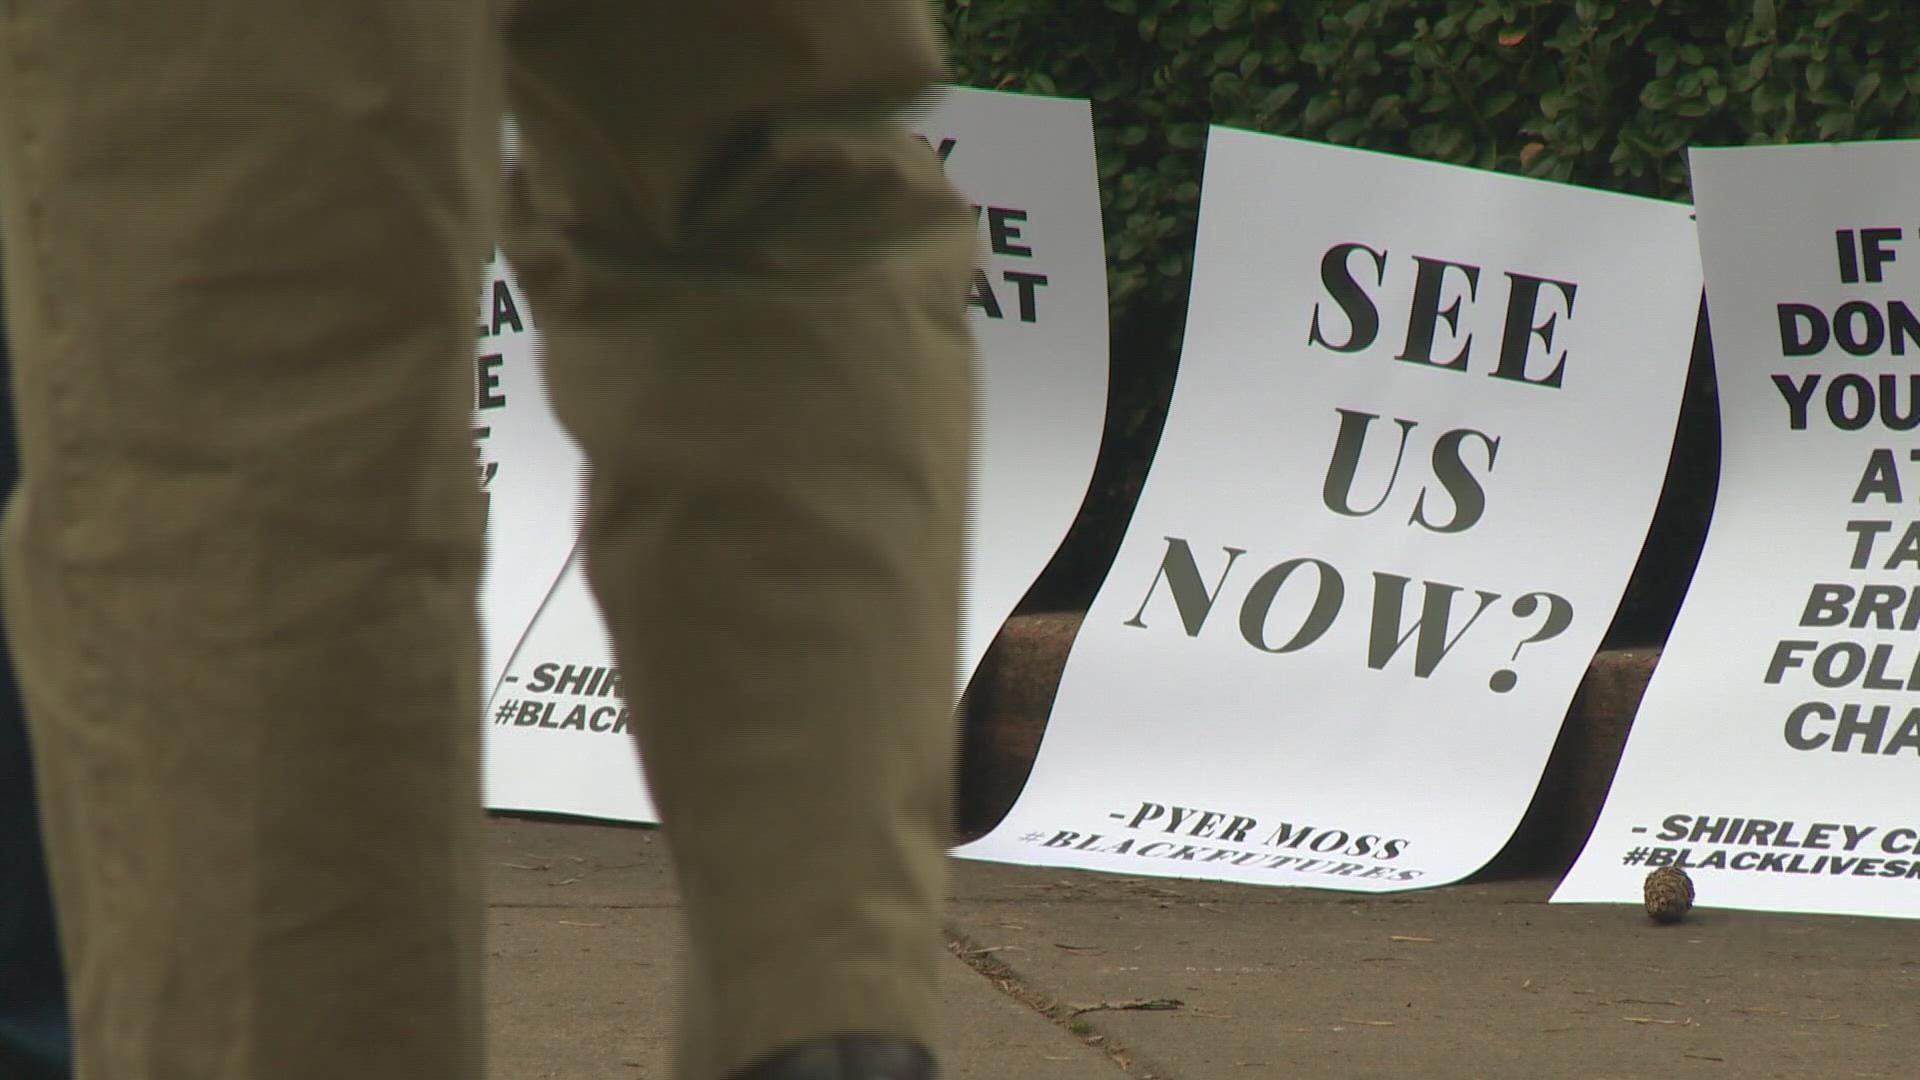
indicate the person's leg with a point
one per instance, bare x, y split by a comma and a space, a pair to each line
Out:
243, 242
751, 281
33, 992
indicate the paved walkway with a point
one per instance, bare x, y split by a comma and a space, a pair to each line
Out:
1065, 975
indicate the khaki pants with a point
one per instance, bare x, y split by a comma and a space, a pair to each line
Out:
244, 240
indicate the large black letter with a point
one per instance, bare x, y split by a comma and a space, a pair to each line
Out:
1436, 609
1332, 591
1362, 316
504, 311
1797, 396
1469, 498
1791, 343
1190, 594
1426, 313
1516, 339
1346, 462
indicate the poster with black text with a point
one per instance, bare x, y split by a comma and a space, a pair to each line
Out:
1776, 755
558, 726
528, 467
1422, 419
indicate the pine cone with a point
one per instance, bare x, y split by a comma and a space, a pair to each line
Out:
1669, 894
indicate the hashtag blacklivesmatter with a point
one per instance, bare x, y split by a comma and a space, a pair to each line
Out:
1776, 862
605, 719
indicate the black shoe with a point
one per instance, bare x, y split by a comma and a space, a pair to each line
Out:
847, 1057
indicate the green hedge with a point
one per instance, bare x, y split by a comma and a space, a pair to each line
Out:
1605, 93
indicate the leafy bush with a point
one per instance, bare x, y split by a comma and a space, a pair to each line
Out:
1604, 93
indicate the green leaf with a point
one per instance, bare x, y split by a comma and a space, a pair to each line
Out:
1186, 137
1344, 129
1384, 106
1768, 98
1448, 143
1321, 109
1278, 97
1864, 90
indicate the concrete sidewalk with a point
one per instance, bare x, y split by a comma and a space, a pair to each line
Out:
1066, 975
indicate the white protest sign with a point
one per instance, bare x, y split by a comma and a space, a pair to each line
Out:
1421, 423
1776, 755
558, 732
528, 470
